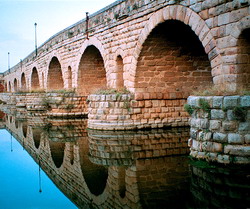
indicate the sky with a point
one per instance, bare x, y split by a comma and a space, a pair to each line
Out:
17, 19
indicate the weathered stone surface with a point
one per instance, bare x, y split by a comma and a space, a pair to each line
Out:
220, 137
217, 114
231, 101
235, 139
245, 101
237, 150
217, 102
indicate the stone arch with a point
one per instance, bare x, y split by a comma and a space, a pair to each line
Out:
91, 73
186, 16
36, 136
94, 44
243, 59
15, 85
55, 76
9, 87
23, 82
69, 77
57, 152
35, 83
171, 63
95, 176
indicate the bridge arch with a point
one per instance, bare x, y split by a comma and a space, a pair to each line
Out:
55, 76
57, 152
179, 14
91, 69
35, 83
23, 82
9, 87
15, 85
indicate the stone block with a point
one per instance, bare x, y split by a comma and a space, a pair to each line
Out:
217, 102
237, 150
215, 124
247, 138
223, 159
217, 114
244, 126
193, 101
230, 115
229, 125
231, 101
212, 147
235, 138
220, 137
245, 101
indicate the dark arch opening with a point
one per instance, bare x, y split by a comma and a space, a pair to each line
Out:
23, 82
69, 77
34, 79
243, 59
95, 175
121, 180
24, 129
9, 87
57, 152
91, 74
16, 124
55, 78
15, 85
172, 60
36, 136
119, 70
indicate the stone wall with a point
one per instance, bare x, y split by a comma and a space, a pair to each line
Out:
220, 128
53, 104
123, 112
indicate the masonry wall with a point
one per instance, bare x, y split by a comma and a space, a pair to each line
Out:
221, 131
123, 112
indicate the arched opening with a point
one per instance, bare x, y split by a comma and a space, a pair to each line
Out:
16, 124
69, 78
95, 175
15, 85
2, 87
23, 82
34, 79
42, 81
55, 79
172, 60
243, 59
119, 70
57, 152
91, 74
36, 136
121, 180
9, 86
24, 129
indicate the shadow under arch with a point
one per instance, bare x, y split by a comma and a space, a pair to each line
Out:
15, 85
57, 152
95, 175
23, 82
170, 62
55, 77
34, 79
24, 129
91, 72
36, 132
243, 59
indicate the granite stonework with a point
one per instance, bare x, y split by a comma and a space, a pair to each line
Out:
221, 134
124, 112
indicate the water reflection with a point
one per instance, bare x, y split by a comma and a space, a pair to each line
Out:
142, 169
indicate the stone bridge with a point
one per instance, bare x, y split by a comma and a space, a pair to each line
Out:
145, 46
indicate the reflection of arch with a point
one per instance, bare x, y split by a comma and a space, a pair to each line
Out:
186, 16
91, 73
95, 175
24, 128
15, 85
36, 136
57, 152
34, 79
55, 78
171, 62
23, 82
16, 124
243, 59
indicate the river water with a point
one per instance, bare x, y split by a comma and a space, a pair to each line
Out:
52, 163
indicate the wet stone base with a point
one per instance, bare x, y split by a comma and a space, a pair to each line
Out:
220, 128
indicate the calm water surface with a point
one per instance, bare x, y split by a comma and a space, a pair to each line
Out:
49, 163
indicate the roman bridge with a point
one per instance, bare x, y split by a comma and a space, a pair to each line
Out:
145, 46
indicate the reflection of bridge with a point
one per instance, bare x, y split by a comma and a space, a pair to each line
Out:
147, 47
98, 169
78, 164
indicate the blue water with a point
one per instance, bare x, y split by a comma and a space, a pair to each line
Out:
19, 180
